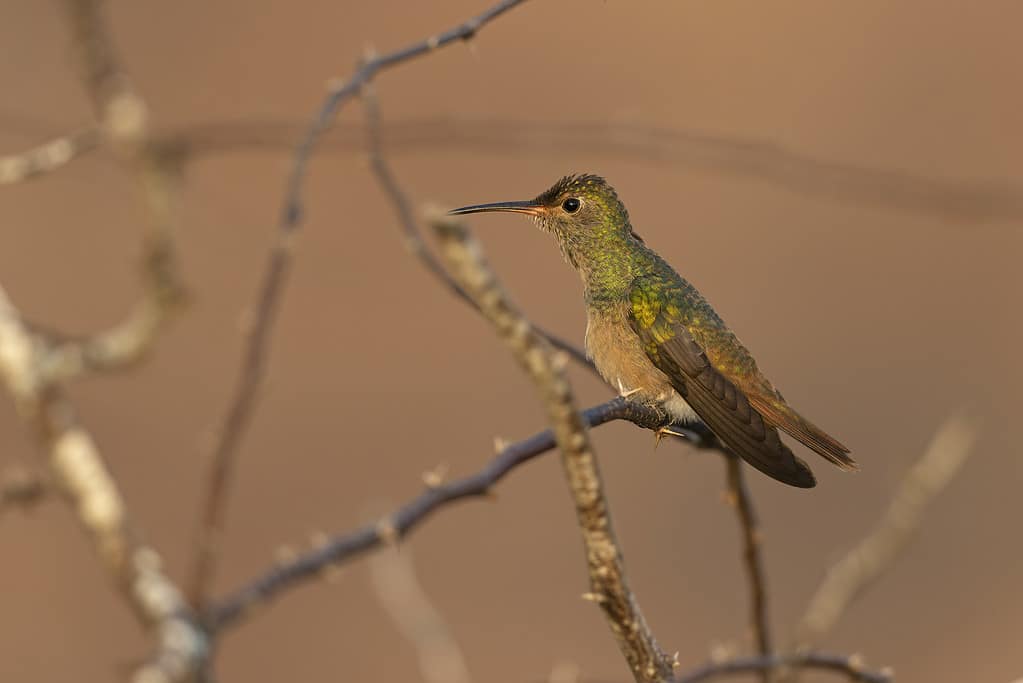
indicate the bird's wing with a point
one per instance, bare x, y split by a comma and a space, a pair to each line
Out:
657, 318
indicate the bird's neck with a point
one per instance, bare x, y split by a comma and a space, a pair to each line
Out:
609, 268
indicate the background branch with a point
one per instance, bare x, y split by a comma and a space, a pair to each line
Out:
80, 473
47, 157
855, 572
742, 501
394, 581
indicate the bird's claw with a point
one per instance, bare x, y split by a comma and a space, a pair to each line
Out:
663, 432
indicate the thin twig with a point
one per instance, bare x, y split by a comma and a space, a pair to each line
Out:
850, 667
741, 499
853, 574
394, 581
609, 588
296, 571
257, 343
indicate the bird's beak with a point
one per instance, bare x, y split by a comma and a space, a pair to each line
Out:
530, 208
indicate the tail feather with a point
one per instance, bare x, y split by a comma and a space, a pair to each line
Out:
781, 415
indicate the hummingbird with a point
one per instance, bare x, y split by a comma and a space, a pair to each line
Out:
656, 339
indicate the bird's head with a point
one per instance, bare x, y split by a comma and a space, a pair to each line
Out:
582, 211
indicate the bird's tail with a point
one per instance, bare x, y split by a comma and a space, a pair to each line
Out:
783, 416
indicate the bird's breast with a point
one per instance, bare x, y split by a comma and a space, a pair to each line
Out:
619, 356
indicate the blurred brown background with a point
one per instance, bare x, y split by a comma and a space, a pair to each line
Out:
878, 323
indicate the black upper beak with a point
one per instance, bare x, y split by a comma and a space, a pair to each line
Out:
530, 208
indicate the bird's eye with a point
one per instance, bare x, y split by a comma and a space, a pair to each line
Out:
571, 205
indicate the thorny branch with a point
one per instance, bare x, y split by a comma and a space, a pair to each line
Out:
257, 344
608, 585
405, 519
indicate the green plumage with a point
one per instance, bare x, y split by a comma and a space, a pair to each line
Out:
657, 340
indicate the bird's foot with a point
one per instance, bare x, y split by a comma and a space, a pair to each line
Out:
625, 393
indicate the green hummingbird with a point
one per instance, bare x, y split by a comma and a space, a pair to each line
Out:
655, 339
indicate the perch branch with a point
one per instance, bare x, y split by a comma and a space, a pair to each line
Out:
608, 585
257, 343
405, 519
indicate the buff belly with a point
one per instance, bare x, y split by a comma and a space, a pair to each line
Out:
616, 351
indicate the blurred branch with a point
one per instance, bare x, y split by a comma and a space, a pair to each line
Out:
742, 500
413, 239
608, 585
123, 117
732, 155
402, 521
257, 344
82, 476
959, 200
394, 582
47, 157
850, 667
128, 342
855, 572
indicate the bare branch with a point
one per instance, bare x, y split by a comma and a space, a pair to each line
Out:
47, 157
850, 667
123, 117
394, 581
740, 498
122, 113
128, 342
284, 576
855, 572
608, 585
81, 474
257, 344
